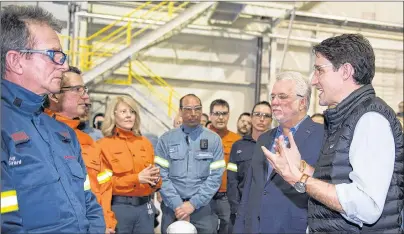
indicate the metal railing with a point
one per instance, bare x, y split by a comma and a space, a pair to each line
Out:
86, 53
156, 85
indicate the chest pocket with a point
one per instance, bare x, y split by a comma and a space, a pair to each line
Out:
29, 166
36, 182
76, 169
203, 160
121, 164
178, 164
243, 161
145, 158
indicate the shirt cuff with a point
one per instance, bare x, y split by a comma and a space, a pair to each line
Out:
347, 204
176, 202
195, 203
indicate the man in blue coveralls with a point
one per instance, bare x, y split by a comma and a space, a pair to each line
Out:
44, 187
191, 164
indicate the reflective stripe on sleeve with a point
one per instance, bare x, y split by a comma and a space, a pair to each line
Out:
87, 185
104, 176
232, 167
218, 164
161, 161
9, 202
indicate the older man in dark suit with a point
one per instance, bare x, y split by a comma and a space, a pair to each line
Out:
269, 204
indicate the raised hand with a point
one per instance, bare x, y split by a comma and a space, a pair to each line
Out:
285, 162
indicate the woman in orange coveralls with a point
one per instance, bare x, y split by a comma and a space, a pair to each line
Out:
131, 158
66, 107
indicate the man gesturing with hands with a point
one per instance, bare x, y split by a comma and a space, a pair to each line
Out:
356, 185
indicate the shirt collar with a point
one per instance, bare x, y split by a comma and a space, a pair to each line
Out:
248, 137
188, 130
293, 129
21, 98
221, 133
123, 133
72, 123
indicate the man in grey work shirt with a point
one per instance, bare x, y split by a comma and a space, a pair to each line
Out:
191, 165
357, 183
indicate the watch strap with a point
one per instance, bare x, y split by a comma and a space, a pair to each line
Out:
303, 165
304, 178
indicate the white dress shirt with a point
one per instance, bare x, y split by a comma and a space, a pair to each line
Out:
372, 156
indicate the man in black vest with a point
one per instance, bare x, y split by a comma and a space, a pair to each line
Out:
356, 186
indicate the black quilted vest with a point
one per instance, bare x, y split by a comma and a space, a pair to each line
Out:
333, 165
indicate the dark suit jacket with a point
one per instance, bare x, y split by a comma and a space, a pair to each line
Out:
274, 206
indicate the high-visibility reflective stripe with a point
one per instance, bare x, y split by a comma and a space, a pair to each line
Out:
9, 202
232, 167
104, 176
87, 185
161, 161
217, 164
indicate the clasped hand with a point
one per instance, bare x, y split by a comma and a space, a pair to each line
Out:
149, 175
184, 211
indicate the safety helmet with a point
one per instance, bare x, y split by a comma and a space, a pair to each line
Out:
181, 226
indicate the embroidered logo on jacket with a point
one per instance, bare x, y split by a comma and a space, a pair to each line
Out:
13, 161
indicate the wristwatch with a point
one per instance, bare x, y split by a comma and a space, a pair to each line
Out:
300, 186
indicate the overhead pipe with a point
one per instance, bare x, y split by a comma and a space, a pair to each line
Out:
311, 17
317, 41
107, 67
346, 31
258, 70
285, 46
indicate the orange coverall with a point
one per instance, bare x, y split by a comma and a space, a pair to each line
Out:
98, 173
127, 155
228, 138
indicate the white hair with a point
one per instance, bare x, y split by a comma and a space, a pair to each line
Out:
303, 86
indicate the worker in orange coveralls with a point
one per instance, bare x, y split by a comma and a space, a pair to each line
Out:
131, 158
219, 115
67, 107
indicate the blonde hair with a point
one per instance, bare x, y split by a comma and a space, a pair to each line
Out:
109, 123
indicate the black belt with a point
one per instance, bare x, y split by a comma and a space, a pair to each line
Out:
219, 195
134, 201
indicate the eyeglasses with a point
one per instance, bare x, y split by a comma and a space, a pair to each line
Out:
80, 89
260, 114
56, 56
220, 113
192, 108
125, 112
318, 69
282, 96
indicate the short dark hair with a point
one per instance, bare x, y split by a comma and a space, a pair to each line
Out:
74, 70
15, 34
317, 115
353, 49
95, 116
206, 115
189, 95
218, 102
261, 103
243, 114
207, 123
